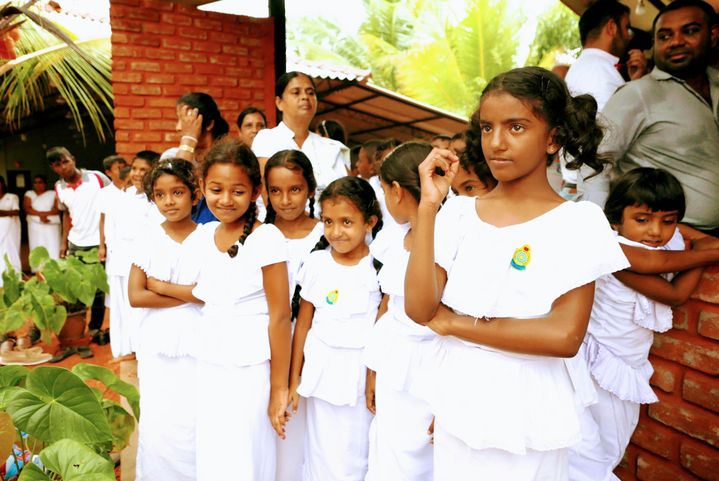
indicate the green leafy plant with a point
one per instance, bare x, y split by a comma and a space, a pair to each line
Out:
52, 412
61, 287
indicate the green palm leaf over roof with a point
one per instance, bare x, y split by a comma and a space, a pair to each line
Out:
49, 61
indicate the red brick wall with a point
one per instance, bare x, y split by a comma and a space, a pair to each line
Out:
678, 438
161, 50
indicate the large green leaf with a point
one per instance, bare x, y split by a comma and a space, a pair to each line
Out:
12, 375
38, 256
57, 404
92, 371
72, 461
12, 283
121, 422
6, 395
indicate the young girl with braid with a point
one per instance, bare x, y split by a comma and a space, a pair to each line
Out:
290, 185
340, 297
242, 345
400, 446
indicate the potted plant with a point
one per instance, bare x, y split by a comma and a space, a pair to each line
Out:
56, 298
53, 426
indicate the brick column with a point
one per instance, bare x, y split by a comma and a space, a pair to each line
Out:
161, 50
678, 438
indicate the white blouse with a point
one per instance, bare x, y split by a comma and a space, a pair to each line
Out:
169, 331
235, 317
491, 398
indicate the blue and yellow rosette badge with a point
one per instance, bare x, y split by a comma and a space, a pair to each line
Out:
332, 296
522, 256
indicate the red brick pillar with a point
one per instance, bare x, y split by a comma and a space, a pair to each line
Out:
678, 438
161, 50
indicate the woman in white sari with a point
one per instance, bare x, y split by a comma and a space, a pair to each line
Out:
9, 228
43, 219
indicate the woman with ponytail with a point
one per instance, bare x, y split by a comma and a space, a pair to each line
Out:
507, 282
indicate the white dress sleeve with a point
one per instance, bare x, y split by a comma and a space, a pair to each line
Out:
381, 245
591, 248
268, 245
307, 276
448, 229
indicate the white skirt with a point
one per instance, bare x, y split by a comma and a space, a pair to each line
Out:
45, 235
166, 450
399, 444
337, 441
291, 450
607, 427
124, 319
235, 440
456, 461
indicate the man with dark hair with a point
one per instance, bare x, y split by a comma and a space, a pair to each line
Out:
668, 119
77, 195
605, 35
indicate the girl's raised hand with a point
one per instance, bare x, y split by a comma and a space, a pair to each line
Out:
190, 122
436, 173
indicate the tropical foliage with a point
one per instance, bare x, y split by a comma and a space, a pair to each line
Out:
557, 33
49, 60
430, 51
56, 427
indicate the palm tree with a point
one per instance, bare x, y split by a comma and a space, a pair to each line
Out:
416, 48
48, 62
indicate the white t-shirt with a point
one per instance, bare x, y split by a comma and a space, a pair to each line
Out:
80, 202
328, 158
10, 233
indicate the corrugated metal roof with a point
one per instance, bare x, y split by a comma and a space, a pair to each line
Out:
368, 111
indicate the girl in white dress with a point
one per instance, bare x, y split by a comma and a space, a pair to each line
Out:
644, 207
166, 331
9, 228
400, 445
340, 296
132, 217
290, 184
242, 345
43, 217
507, 281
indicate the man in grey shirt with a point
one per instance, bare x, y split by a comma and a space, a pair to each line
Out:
669, 118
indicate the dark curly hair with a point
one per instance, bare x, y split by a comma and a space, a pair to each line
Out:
574, 118
233, 151
294, 160
180, 168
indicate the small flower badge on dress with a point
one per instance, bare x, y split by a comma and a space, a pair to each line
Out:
332, 296
522, 256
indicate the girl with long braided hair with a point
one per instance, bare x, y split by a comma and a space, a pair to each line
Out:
243, 346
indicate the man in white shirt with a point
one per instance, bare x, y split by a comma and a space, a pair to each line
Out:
605, 35
77, 195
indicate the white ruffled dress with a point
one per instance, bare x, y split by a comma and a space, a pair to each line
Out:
486, 398
621, 331
166, 371
346, 299
400, 447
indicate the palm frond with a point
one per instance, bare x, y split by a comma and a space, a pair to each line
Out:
50, 62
